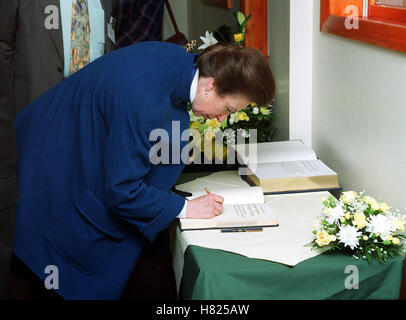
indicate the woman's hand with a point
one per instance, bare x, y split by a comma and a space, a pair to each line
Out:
204, 207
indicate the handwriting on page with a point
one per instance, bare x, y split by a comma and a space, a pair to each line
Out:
249, 210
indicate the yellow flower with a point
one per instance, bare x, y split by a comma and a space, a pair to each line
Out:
365, 238
264, 111
389, 237
348, 196
209, 134
383, 206
395, 241
360, 220
347, 216
243, 116
238, 37
342, 219
323, 238
399, 224
195, 125
213, 123
372, 202
253, 104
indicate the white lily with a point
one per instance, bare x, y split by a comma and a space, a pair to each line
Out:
208, 41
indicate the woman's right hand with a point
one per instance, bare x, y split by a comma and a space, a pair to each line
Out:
204, 207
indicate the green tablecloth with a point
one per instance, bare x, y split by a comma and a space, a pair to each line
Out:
219, 275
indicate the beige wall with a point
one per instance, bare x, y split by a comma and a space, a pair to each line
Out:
194, 17
278, 30
359, 114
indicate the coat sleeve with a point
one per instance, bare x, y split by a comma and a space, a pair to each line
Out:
8, 29
126, 165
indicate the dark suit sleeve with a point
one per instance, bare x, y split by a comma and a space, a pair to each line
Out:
127, 164
8, 150
8, 29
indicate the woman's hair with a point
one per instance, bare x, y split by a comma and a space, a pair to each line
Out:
238, 70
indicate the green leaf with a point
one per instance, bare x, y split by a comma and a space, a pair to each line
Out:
240, 17
245, 21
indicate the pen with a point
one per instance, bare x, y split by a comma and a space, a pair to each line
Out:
242, 229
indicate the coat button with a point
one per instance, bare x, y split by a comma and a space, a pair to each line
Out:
59, 69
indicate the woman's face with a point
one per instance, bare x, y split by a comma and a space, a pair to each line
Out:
208, 104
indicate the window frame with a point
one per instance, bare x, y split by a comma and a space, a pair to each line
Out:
385, 25
257, 26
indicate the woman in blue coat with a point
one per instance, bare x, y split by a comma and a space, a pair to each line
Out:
90, 195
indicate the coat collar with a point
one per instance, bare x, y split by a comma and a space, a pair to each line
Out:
181, 93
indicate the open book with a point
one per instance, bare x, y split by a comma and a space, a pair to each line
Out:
243, 207
286, 166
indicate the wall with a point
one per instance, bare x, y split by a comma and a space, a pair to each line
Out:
180, 12
359, 113
193, 18
278, 31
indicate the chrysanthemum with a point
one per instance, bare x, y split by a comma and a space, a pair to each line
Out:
334, 214
348, 235
380, 224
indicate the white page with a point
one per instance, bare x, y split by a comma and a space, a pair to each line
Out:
235, 195
218, 180
243, 213
291, 169
275, 152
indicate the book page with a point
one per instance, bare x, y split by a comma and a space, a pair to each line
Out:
274, 152
217, 180
237, 215
234, 195
288, 169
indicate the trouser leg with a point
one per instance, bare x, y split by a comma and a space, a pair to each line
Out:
6, 246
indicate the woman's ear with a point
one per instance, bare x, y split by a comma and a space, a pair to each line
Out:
210, 84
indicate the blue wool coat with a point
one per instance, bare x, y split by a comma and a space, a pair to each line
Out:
90, 197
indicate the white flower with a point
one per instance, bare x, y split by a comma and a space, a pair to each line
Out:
348, 235
245, 133
255, 110
380, 224
208, 41
334, 214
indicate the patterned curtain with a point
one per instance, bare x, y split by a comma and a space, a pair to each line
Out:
138, 20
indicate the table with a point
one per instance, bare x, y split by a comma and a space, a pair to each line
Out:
211, 274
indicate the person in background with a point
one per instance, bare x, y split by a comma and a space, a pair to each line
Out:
138, 21
45, 41
93, 188
42, 42
8, 178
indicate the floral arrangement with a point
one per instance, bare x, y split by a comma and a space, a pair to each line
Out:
360, 225
252, 117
